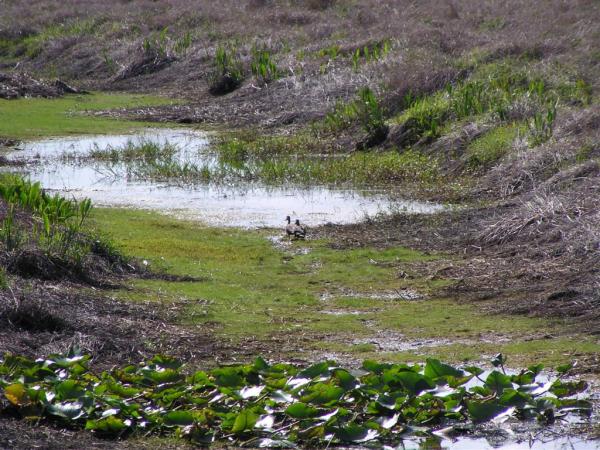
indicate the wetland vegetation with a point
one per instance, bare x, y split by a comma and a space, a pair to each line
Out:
445, 159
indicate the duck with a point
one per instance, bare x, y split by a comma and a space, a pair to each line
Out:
289, 229
299, 230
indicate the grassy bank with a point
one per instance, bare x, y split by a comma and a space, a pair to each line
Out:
309, 299
29, 118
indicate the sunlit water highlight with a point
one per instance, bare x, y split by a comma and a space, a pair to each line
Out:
237, 204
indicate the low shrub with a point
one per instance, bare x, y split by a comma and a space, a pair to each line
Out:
228, 72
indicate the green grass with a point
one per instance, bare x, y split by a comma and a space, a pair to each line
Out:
250, 289
37, 117
491, 91
487, 149
304, 159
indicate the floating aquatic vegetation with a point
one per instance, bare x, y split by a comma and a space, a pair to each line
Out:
283, 405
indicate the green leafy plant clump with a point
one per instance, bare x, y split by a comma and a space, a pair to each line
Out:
263, 67
279, 405
498, 90
228, 71
364, 109
57, 220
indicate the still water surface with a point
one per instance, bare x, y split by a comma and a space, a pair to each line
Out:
60, 164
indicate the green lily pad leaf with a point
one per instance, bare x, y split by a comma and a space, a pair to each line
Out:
315, 370
16, 362
581, 406
483, 411
244, 421
435, 369
564, 368
161, 376
121, 390
37, 395
69, 389
456, 382
67, 410
110, 426
411, 381
497, 382
323, 394
568, 388
524, 378
345, 379
355, 433
375, 367
201, 377
16, 394
66, 362
536, 369
260, 364
511, 397
301, 411
166, 362
474, 370
228, 377
314, 432
178, 418
386, 401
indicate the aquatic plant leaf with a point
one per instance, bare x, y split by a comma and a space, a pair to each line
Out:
110, 425
564, 368
536, 368
435, 369
474, 370
511, 397
260, 364
483, 411
355, 433
345, 379
323, 394
497, 382
277, 406
161, 376
244, 421
16, 394
166, 362
178, 418
69, 389
411, 381
315, 370
121, 390
568, 388
301, 411
375, 367
228, 377
67, 410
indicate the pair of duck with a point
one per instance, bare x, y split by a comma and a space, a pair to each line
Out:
295, 230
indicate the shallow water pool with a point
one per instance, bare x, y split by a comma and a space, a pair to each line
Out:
60, 165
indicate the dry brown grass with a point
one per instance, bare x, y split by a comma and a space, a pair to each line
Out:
427, 38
